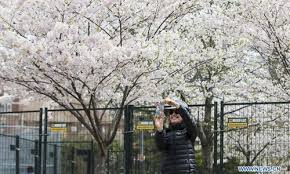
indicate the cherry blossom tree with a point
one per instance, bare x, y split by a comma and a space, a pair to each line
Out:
87, 54
268, 31
112, 53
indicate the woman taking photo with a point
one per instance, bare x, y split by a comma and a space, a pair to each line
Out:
177, 141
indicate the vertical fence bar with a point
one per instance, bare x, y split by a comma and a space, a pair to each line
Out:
142, 165
215, 138
221, 138
108, 161
90, 158
36, 156
40, 142
45, 141
55, 160
17, 151
128, 144
72, 160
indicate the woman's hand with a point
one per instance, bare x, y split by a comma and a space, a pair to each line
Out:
171, 102
158, 121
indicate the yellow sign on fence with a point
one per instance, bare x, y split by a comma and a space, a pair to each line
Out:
58, 129
237, 122
145, 125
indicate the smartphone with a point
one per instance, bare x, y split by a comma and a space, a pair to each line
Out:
159, 109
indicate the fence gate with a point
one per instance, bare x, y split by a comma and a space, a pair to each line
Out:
74, 153
145, 154
255, 134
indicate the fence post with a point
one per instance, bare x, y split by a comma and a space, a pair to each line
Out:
55, 160
17, 150
93, 158
215, 138
72, 160
221, 138
128, 144
108, 161
39, 142
90, 158
45, 141
36, 156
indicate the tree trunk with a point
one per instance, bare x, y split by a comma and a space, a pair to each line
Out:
101, 164
207, 159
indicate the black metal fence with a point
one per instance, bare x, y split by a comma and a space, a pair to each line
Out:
49, 142
54, 142
255, 134
19, 141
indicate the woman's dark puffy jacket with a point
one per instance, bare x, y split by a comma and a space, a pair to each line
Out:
177, 146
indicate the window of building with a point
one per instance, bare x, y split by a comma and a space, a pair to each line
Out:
7, 107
